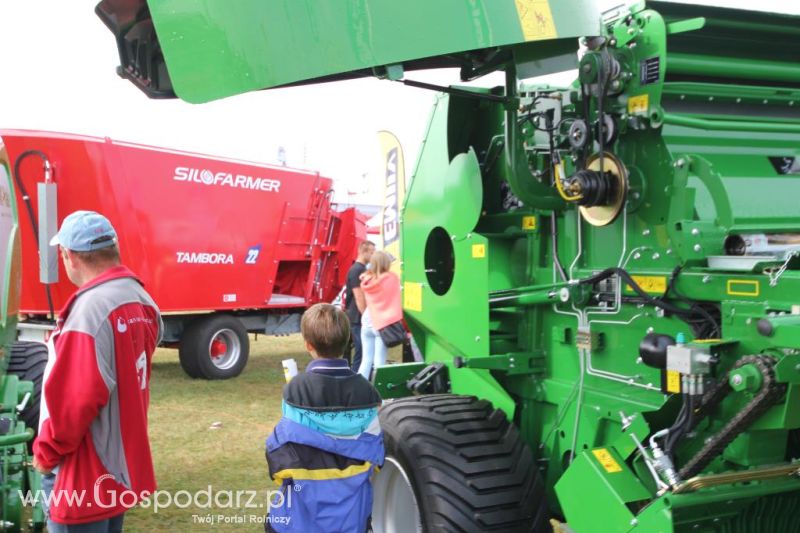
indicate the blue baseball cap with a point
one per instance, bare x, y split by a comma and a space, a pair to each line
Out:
85, 231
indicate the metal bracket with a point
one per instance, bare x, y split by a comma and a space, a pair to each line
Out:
432, 379
511, 363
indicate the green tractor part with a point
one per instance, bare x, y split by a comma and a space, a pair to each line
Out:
21, 368
604, 278
205, 50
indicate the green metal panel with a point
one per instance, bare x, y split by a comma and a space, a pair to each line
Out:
449, 272
390, 380
613, 486
216, 49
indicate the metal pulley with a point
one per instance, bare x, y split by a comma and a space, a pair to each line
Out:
578, 134
579, 137
609, 129
602, 193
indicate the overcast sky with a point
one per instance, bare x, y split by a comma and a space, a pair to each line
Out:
59, 61
58, 64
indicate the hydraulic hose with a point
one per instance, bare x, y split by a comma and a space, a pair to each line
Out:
622, 273
29, 207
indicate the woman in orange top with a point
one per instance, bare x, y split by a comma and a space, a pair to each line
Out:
382, 293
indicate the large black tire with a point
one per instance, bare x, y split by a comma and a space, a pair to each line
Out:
28, 360
197, 349
466, 464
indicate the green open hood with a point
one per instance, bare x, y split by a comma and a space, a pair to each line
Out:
201, 50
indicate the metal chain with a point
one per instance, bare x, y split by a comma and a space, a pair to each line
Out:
770, 392
775, 274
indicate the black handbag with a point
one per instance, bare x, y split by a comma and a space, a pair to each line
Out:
393, 334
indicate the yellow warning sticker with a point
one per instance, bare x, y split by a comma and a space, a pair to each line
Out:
536, 19
673, 381
412, 296
605, 459
478, 251
638, 105
651, 284
529, 223
743, 287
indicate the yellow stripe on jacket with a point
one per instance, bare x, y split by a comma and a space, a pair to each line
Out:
322, 473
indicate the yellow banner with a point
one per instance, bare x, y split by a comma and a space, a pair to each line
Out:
394, 192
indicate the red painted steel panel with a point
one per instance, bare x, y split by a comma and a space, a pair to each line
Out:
203, 232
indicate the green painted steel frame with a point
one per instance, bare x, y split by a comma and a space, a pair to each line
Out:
689, 201
251, 44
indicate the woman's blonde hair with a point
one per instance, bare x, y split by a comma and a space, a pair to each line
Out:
380, 262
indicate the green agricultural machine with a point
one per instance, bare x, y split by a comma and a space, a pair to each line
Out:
21, 369
604, 278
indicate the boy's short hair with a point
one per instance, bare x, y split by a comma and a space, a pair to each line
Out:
326, 328
363, 246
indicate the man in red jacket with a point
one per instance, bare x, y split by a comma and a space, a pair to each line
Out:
92, 446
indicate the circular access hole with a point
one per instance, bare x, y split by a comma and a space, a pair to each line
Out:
440, 261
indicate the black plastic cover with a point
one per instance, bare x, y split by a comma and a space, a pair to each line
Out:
653, 349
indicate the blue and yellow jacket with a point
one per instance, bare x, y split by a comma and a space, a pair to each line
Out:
324, 451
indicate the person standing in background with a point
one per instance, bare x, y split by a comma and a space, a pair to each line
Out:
354, 301
382, 294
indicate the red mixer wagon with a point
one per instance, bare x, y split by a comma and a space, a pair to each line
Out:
225, 247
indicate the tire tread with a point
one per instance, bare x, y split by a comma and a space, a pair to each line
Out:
27, 361
471, 469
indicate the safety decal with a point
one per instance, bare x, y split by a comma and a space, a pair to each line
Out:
412, 296
604, 458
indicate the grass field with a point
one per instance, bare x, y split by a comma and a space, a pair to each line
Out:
212, 433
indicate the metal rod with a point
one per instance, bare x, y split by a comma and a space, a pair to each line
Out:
789, 29
729, 125
458, 92
730, 67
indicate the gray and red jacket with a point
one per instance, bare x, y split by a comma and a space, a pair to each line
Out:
93, 422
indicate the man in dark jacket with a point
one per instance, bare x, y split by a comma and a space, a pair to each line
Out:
354, 301
328, 444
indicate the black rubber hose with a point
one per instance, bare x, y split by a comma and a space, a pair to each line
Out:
553, 226
716, 331
29, 207
622, 273
683, 424
677, 429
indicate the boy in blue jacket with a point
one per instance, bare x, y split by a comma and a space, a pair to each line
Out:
328, 444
